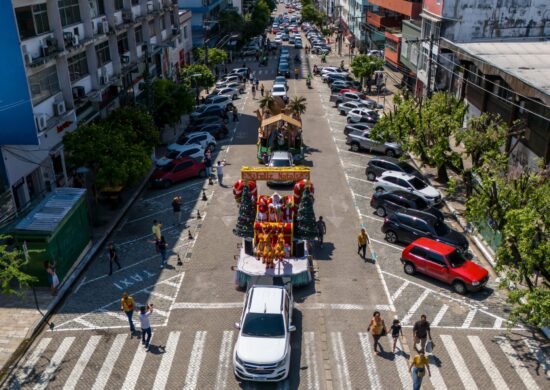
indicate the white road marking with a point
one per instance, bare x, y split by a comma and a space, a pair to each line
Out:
398, 292
80, 285
439, 316
401, 363
498, 323
167, 358
159, 295
458, 362
311, 361
377, 219
179, 189
487, 363
224, 360
359, 179
109, 362
22, 374
415, 307
195, 361
341, 360
119, 316
132, 374
80, 365
372, 372
360, 196
516, 363
170, 284
469, 318
437, 379
82, 321
54, 364
208, 306
537, 351
400, 249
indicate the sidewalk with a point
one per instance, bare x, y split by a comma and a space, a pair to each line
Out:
19, 316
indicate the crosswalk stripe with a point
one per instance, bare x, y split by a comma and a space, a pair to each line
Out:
195, 361
114, 314
469, 318
166, 362
398, 292
415, 307
109, 362
498, 323
159, 295
82, 321
170, 284
311, 361
458, 361
133, 372
341, 360
55, 361
83, 360
401, 363
487, 363
439, 315
436, 378
369, 361
517, 365
224, 358
23, 373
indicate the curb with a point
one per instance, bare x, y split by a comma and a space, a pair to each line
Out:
68, 284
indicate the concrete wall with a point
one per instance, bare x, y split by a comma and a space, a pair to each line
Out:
470, 20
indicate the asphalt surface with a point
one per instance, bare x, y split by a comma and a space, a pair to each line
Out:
196, 303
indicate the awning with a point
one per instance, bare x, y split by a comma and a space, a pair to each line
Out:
281, 117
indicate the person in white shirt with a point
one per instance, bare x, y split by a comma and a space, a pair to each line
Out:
144, 314
219, 171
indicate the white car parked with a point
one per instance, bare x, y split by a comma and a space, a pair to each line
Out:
176, 151
279, 90
262, 350
201, 138
392, 180
333, 69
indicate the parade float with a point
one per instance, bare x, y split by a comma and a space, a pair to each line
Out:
275, 229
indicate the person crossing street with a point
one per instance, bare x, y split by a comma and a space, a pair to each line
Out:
321, 230
362, 242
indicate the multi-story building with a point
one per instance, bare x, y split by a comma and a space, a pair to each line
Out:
205, 16
79, 59
356, 20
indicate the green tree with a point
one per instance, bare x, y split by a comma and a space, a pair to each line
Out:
257, 20
198, 54
201, 75
306, 223
297, 106
231, 22
364, 66
171, 101
267, 102
309, 13
11, 263
216, 56
247, 215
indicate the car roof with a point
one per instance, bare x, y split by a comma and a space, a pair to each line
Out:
401, 175
266, 299
419, 214
181, 148
433, 245
384, 158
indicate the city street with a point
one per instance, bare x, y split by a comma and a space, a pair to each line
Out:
196, 303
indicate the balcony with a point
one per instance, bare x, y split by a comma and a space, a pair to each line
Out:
382, 21
411, 9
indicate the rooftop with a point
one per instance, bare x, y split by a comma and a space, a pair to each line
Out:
527, 61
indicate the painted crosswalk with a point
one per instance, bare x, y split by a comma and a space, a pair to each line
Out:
120, 358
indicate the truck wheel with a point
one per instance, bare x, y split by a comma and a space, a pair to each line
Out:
381, 211
459, 287
391, 237
371, 176
409, 268
355, 147
390, 153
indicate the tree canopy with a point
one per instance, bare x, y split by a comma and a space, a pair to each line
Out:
231, 22
171, 101
200, 74
12, 261
364, 66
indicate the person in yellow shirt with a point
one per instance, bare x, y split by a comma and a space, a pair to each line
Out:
419, 365
156, 229
362, 242
127, 306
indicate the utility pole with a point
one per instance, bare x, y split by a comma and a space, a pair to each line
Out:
429, 76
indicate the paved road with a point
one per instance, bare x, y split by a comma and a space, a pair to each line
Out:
196, 303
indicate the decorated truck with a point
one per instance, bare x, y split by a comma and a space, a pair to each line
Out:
275, 229
280, 132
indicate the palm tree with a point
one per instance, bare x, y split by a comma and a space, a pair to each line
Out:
267, 102
297, 106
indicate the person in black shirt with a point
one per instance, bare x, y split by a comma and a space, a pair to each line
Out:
321, 230
395, 330
421, 332
113, 257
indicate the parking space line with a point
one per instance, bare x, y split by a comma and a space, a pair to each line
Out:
359, 179
398, 292
378, 219
82, 321
82, 362
469, 318
415, 307
439, 316
459, 363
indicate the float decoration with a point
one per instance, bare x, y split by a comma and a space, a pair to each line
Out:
247, 215
306, 223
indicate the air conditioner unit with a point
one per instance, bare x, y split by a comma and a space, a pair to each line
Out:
68, 38
41, 122
125, 59
76, 40
59, 108
103, 80
26, 55
79, 92
118, 19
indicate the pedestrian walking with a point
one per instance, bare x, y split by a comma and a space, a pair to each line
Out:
219, 171
113, 257
156, 229
127, 306
253, 92
421, 333
377, 328
208, 165
162, 246
235, 114
53, 280
362, 242
262, 89
146, 333
176, 208
257, 82
321, 230
418, 367
251, 77
395, 331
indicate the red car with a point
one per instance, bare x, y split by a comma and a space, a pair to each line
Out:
445, 263
349, 90
177, 170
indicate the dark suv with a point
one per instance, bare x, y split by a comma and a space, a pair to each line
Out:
378, 165
387, 203
408, 225
198, 124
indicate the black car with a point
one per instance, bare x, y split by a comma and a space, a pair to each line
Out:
217, 130
201, 122
408, 225
387, 203
360, 127
377, 165
205, 111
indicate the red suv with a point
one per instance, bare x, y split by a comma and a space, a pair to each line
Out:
445, 263
177, 170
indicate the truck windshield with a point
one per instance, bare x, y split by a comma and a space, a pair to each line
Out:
264, 325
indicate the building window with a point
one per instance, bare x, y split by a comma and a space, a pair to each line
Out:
69, 12
78, 66
119, 4
44, 84
122, 43
32, 20
103, 53
139, 35
184, 32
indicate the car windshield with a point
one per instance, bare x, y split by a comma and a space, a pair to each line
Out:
264, 325
417, 183
407, 168
441, 229
173, 154
456, 259
280, 163
279, 88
